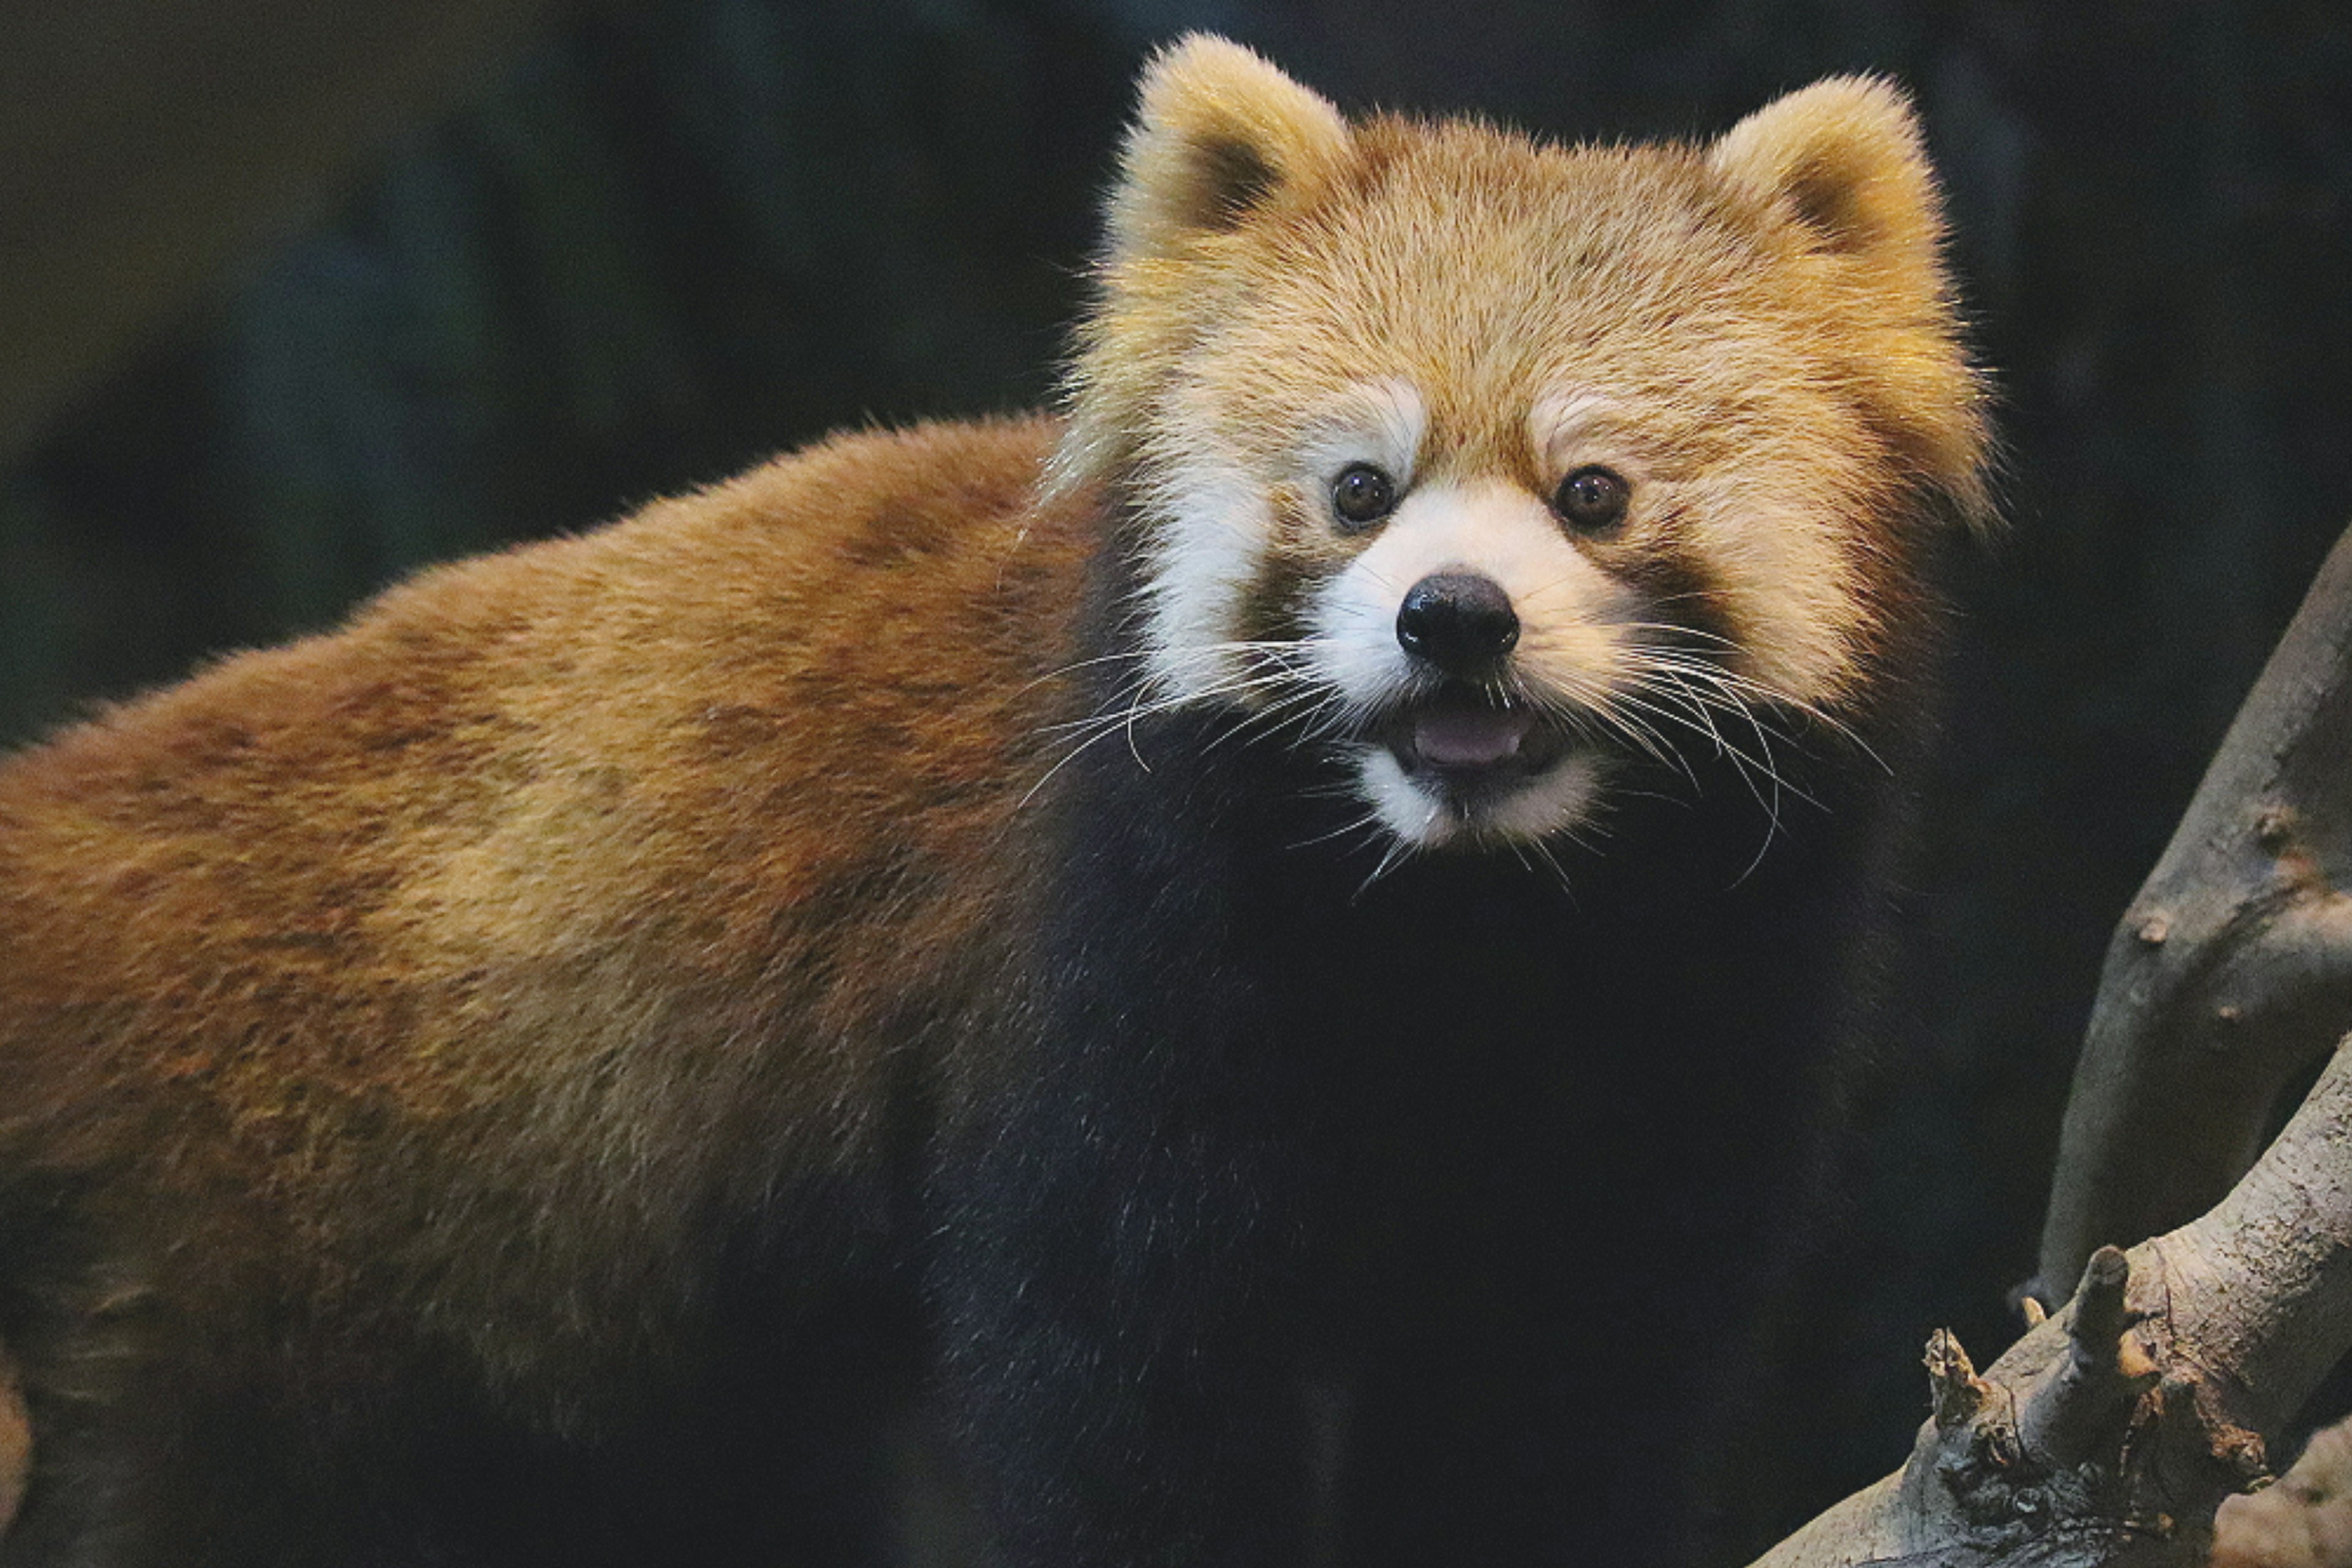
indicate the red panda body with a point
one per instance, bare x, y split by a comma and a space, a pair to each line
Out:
335, 1114
1277, 951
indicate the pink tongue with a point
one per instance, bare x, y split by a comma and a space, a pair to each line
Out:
1468, 737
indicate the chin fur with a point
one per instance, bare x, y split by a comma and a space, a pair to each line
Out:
1427, 808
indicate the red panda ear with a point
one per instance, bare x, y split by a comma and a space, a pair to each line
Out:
1843, 158
1221, 133
1843, 161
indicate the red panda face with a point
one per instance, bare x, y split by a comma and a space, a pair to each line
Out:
1489, 468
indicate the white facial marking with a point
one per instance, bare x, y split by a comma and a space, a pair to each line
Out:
1403, 807
1571, 614
1211, 520
1569, 428
1381, 423
1565, 604
1768, 536
1554, 801
1209, 523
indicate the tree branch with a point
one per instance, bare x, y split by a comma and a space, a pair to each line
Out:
2232, 968
2110, 1433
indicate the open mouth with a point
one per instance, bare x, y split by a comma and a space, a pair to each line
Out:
1472, 743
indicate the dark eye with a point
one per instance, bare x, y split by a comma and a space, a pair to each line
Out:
1362, 495
1592, 500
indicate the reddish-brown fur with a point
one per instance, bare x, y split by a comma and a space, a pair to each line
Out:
299, 940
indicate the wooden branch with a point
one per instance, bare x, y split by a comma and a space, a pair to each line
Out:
2232, 968
2110, 1432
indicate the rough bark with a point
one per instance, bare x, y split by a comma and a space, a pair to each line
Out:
2111, 1433
2232, 970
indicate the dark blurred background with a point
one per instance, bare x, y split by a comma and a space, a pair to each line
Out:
296, 297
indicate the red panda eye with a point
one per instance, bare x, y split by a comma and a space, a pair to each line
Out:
1362, 495
1592, 499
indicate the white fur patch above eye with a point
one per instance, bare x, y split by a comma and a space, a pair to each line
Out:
1380, 421
1561, 425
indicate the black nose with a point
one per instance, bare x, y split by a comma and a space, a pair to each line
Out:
1459, 621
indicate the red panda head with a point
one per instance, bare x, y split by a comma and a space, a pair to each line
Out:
1490, 464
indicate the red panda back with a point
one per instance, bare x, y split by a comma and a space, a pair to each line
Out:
493, 901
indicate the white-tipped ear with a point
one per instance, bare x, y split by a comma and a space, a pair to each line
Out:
1220, 135
1845, 159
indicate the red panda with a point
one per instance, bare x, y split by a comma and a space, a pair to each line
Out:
1273, 947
